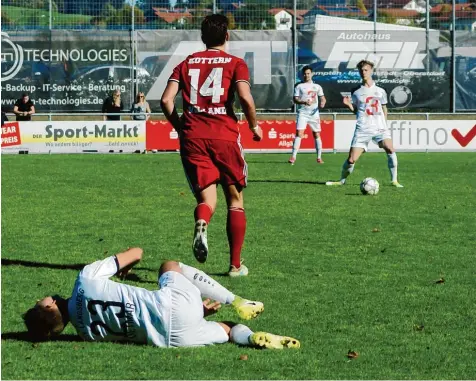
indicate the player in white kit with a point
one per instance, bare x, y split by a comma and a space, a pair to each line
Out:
173, 316
309, 96
369, 103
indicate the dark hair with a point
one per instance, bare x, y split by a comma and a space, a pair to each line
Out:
25, 95
362, 63
40, 326
214, 30
307, 67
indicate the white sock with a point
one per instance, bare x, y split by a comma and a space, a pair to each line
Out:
347, 169
296, 145
207, 286
392, 165
318, 143
240, 334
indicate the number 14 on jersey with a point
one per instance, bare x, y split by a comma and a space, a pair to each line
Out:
211, 87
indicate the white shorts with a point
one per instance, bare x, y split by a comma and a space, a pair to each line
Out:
187, 327
312, 121
362, 139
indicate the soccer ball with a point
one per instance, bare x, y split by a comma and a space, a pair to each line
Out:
369, 186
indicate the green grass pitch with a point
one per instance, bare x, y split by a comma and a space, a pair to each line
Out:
338, 270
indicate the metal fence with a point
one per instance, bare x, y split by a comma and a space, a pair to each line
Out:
243, 14
311, 23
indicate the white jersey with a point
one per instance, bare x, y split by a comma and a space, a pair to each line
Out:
305, 91
103, 310
369, 102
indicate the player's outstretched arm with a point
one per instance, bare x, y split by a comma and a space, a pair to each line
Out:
348, 102
323, 101
249, 109
128, 259
168, 105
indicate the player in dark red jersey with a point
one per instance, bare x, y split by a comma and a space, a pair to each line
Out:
209, 136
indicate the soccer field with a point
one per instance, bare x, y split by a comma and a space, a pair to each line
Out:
391, 277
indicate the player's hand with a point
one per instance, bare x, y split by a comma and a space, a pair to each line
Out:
322, 104
347, 101
257, 133
210, 308
122, 274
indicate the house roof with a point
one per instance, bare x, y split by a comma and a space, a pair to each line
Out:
458, 7
171, 16
336, 11
461, 16
398, 12
369, 4
299, 13
238, 5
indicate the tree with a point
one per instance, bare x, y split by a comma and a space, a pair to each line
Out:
108, 11
147, 5
445, 8
123, 16
361, 6
386, 18
93, 8
254, 16
6, 20
231, 21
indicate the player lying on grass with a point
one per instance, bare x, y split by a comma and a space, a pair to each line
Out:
369, 103
173, 316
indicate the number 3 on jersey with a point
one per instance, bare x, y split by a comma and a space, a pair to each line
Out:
372, 106
211, 87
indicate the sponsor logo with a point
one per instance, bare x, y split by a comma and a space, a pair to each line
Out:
385, 54
11, 134
261, 52
83, 132
13, 54
414, 134
272, 134
400, 97
464, 140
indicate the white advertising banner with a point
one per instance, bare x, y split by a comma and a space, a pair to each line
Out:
416, 135
73, 137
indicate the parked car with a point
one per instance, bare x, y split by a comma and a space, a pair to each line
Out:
116, 73
92, 84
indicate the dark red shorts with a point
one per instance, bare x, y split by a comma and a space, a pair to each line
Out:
211, 161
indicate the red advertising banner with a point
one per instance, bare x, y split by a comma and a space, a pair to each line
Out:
11, 134
278, 135
160, 135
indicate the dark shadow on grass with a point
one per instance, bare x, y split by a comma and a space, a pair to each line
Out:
218, 274
136, 278
266, 162
76, 266
24, 336
289, 181
20, 262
